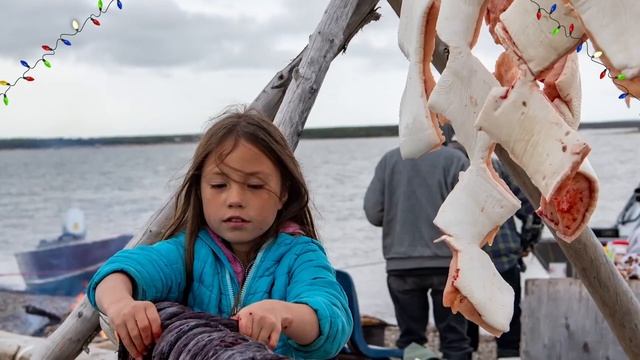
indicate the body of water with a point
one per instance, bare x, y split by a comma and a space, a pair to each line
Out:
120, 187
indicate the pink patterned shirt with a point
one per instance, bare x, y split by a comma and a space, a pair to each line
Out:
288, 227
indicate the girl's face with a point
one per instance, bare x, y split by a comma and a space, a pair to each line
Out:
241, 196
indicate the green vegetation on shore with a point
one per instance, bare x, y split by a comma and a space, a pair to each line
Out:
317, 133
103, 141
322, 133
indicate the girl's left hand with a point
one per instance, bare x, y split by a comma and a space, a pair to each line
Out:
263, 321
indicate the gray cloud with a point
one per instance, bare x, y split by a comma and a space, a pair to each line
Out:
159, 34
155, 33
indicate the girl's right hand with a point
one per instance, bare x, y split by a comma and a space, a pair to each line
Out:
137, 324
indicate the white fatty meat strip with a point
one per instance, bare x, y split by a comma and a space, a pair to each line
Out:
459, 21
419, 131
569, 211
562, 87
476, 207
525, 123
533, 40
460, 93
613, 28
476, 289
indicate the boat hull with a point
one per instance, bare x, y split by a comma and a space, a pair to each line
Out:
65, 269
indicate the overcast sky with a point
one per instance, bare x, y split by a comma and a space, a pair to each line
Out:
166, 66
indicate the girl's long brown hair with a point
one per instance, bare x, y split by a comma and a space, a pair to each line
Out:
253, 128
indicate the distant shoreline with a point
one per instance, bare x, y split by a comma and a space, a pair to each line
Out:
314, 133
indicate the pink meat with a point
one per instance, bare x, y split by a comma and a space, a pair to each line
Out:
492, 17
568, 209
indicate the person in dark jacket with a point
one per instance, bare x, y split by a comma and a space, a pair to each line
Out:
403, 198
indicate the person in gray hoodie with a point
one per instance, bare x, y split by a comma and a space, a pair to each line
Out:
403, 198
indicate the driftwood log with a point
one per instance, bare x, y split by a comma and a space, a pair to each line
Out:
307, 78
609, 291
18, 347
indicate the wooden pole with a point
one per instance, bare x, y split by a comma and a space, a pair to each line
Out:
82, 324
72, 336
610, 292
269, 100
17, 347
324, 44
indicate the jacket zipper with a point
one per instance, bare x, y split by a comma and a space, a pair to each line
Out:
239, 298
240, 295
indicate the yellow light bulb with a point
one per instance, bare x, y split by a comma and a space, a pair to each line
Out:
75, 24
597, 54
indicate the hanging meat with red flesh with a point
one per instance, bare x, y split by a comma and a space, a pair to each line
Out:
506, 71
537, 42
459, 303
568, 207
481, 201
525, 123
571, 207
460, 94
489, 299
492, 16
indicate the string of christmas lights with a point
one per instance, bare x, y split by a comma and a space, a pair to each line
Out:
50, 51
568, 32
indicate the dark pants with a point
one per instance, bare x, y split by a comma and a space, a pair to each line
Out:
408, 289
508, 343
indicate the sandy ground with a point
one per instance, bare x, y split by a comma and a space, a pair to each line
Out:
486, 347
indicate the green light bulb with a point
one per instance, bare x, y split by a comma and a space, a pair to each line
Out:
46, 63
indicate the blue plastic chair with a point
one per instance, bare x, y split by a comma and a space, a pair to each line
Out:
357, 344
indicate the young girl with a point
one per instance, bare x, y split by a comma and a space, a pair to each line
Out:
241, 245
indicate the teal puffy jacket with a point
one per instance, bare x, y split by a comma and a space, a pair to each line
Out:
288, 268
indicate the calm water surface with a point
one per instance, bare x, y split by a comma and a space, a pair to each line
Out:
120, 187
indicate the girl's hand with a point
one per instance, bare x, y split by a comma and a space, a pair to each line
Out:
137, 324
263, 321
